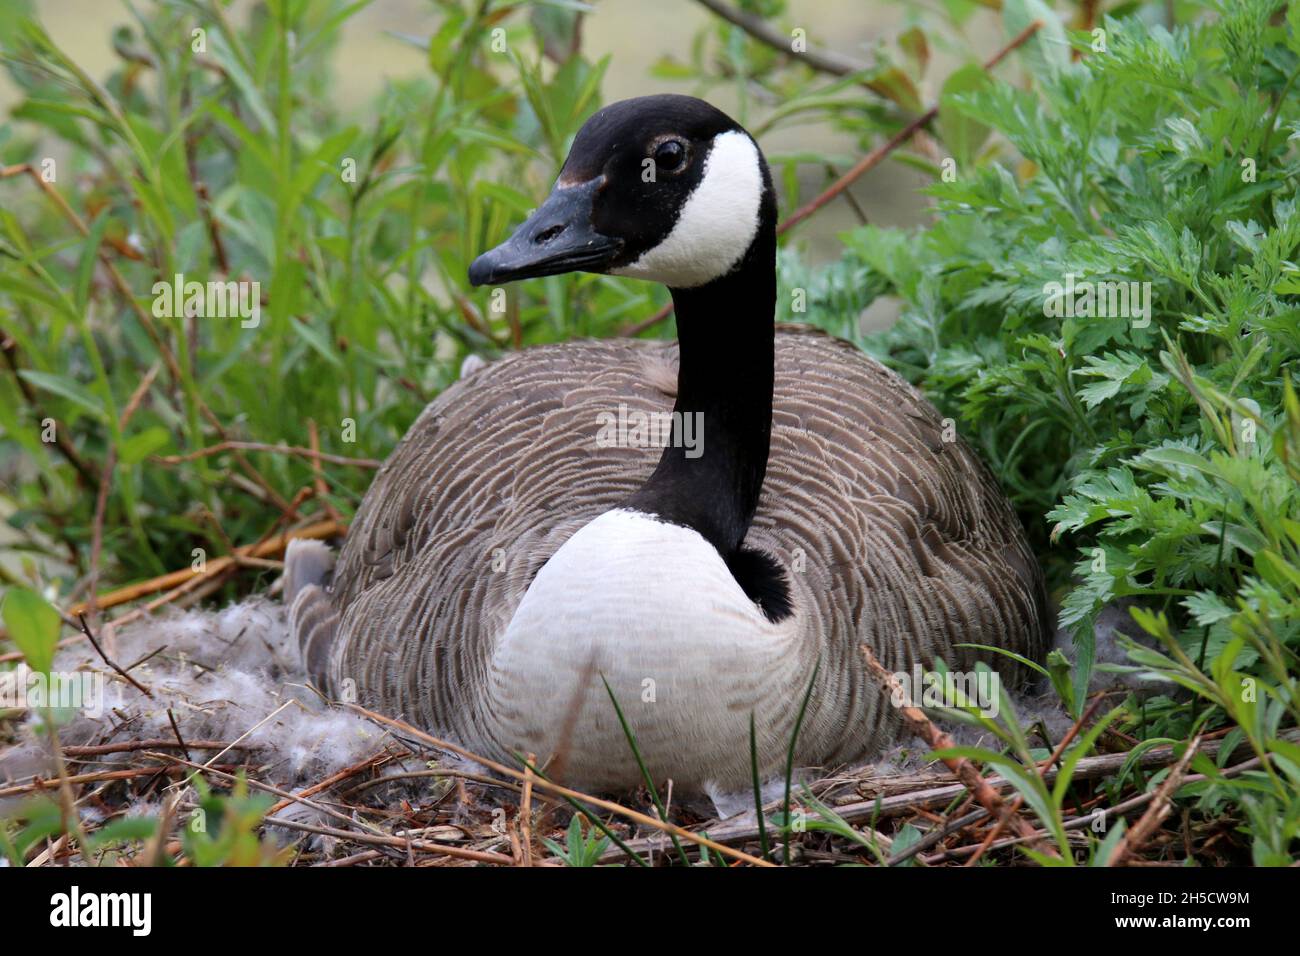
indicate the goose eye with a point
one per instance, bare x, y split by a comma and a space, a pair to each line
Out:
670, 155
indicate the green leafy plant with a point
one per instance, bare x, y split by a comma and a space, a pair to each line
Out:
33, 625
37, 819
1158, 443
222, 829
579, 849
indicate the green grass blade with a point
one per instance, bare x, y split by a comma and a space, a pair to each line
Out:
758, 792
645, 772
789, 757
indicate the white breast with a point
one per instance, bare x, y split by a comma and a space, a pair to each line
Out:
652, 607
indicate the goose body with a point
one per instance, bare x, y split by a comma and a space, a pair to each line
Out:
510, 561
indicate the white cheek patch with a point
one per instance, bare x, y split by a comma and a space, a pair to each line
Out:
717, 223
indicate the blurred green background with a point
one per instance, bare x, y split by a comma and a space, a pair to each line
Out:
636, 34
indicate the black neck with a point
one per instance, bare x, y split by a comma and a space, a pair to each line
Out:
726, 331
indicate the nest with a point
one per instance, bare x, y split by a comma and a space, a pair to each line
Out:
211, 748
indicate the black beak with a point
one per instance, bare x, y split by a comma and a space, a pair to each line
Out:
557, 238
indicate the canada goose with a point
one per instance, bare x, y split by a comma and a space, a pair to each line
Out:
505, 560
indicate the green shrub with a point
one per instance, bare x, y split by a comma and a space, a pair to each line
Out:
231, 162
1159, 454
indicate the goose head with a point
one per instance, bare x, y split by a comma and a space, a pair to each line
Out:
666, 188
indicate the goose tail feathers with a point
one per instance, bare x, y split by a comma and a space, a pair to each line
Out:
308, 566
